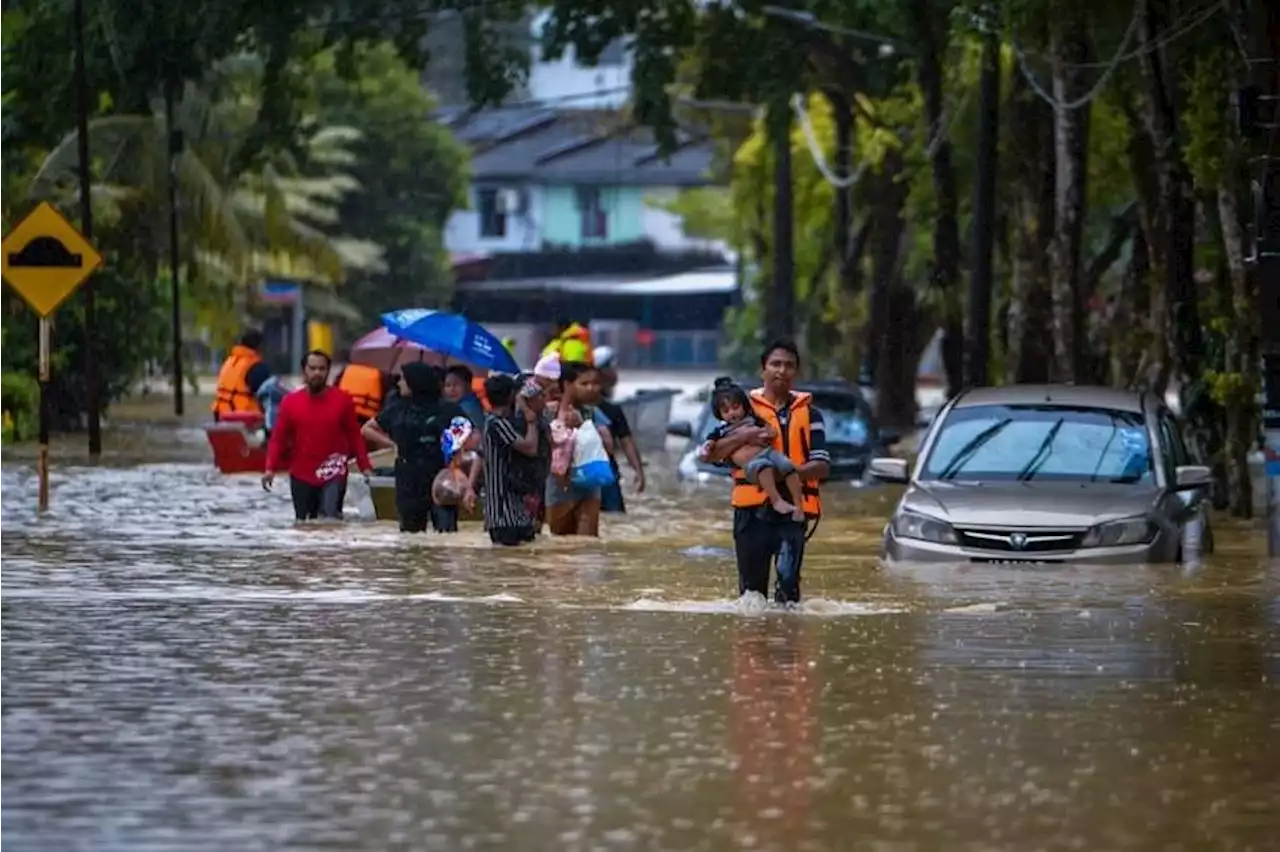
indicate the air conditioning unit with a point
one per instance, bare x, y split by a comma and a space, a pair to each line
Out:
512, 202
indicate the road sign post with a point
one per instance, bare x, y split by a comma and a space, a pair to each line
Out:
46, 260
42, 453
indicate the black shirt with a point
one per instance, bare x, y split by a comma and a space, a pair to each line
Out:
417, 428
528, 474
618, 424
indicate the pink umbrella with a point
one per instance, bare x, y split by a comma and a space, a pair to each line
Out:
383, 350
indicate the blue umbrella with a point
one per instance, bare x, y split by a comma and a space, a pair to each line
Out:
452, 335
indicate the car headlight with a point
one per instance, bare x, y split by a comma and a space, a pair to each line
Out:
923, 528
1119, 533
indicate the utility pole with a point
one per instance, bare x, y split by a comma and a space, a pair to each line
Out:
175, 148
92, 387
781, 321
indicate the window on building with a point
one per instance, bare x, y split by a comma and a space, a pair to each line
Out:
493, 220
592, 213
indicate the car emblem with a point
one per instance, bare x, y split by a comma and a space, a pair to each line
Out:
1018, 541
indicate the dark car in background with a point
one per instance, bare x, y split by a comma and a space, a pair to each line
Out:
853, 438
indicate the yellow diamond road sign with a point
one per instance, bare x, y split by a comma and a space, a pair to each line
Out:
45, 259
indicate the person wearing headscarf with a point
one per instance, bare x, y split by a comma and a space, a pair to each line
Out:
415, 426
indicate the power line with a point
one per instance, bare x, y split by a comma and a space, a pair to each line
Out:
1060, 105
1177, 30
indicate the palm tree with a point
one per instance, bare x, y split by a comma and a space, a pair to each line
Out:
236, 229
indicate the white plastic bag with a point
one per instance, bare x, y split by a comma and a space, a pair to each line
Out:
360, 498
591, 466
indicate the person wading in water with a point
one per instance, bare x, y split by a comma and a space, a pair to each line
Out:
316, 430
572, 509
615, 418
510, 444
762, 536
414, 426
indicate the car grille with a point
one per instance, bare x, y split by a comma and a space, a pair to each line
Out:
1020, 540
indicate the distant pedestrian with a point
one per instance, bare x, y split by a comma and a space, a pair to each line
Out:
624, 441
316, 430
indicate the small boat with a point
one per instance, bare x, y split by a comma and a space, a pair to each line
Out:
649, 413
236, 443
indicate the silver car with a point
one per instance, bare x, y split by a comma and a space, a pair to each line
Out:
1049, 474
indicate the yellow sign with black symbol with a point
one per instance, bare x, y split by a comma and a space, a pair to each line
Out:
46, 260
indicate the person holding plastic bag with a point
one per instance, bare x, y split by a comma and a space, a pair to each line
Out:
415, 426
453, 486
579, 458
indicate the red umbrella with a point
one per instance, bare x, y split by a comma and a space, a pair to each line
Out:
383, 350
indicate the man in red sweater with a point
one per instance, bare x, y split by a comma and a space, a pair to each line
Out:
316, 431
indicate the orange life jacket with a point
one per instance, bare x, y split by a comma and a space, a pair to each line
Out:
477, 388
233, 393
792, 441
364, 385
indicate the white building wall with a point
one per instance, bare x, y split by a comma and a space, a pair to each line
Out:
524, 233
571, 86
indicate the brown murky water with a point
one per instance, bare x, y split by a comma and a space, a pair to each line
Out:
185, 670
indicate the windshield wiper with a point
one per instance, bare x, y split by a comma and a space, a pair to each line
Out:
1115, 429
1042, 452
976, 443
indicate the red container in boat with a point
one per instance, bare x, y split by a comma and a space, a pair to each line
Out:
236, 448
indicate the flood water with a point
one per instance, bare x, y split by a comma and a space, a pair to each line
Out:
185, 670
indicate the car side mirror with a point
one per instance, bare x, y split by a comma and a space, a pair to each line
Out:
889, 437
680, 428
1190, 476
890, 469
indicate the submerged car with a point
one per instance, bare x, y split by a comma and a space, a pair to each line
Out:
1049, 474
852, 436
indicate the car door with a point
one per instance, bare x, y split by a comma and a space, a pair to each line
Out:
1181, 507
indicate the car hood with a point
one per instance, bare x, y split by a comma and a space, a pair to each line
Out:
1025, 504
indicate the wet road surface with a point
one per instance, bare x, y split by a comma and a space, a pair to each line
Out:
185, 670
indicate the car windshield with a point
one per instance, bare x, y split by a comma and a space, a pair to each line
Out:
1051, 443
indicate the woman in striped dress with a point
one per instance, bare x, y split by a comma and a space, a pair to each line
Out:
506, 515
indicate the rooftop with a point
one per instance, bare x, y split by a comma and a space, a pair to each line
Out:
575, 146
721, 280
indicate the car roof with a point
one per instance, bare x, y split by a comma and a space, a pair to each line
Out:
1084, 396
810, 386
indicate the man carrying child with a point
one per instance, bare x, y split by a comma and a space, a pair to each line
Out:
761, 533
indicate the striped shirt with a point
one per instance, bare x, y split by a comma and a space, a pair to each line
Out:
504, 506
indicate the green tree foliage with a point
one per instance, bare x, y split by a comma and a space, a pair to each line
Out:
411, 174
271, 181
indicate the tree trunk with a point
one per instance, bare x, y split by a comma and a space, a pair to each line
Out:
946, 230
978, 332
1132, 301
1152, 366
892, 331
1030, 143
846, 242
781, 319
1069, 45
1174, 220
1241, 409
